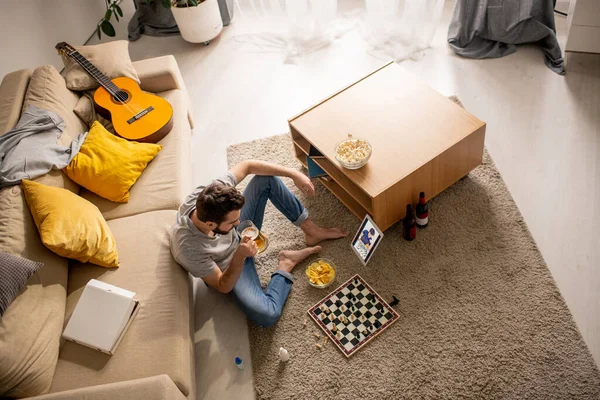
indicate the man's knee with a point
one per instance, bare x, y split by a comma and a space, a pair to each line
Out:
267, 317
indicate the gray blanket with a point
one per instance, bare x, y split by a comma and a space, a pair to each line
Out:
151, 19
30, 149
492, 28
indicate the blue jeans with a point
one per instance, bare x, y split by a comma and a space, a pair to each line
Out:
263, 307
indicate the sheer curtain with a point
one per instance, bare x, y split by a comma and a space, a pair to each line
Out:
397, 29
293, 27
400, 29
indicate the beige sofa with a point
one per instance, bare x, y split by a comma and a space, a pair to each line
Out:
155, 360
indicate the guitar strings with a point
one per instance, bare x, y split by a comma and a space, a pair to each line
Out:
103, 79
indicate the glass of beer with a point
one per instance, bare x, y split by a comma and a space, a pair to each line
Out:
247, 228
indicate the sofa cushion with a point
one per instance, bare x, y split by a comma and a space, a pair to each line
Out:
30, 329
112, 59
158, 340
12, 92
109, 165
47, 90
15, 271
166, 181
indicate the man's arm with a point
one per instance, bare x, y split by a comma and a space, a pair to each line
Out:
225, 281
255, 167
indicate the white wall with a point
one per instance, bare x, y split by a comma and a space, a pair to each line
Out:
29, 29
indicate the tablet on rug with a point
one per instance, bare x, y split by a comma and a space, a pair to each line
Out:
366, 239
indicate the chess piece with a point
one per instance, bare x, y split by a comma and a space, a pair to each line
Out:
422, 210
409, 225
283, 354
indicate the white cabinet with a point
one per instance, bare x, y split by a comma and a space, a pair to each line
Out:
584, 26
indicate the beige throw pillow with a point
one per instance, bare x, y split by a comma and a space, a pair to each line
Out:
112, 59
87, 112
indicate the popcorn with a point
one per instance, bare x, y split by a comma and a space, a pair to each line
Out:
353, 151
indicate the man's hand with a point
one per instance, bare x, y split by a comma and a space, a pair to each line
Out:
303, 183
247, 247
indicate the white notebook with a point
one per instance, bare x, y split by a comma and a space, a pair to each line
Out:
101, 316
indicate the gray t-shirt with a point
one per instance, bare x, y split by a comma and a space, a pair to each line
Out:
197, 252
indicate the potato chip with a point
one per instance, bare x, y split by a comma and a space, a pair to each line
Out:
320, 272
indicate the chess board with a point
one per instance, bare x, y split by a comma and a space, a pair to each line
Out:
364, 310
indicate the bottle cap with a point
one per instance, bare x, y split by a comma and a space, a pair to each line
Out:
238, 361
422, 194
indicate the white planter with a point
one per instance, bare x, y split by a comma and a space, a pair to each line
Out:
199, 24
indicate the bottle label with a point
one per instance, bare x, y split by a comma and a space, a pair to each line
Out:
422, 221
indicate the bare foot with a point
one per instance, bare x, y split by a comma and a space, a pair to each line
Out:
288, 259
315, 234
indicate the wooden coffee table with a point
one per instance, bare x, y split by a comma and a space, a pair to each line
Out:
422, 142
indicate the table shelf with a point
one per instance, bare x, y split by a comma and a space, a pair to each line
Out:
352, 205
346, 186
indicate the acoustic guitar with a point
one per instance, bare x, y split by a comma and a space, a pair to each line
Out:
135, 114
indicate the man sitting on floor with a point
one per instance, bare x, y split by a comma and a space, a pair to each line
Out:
205, 242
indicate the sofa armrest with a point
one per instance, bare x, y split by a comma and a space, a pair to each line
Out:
159, 387
161, 74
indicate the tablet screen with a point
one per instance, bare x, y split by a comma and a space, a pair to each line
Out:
366, 239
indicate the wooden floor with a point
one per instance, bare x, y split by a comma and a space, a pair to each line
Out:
543, 130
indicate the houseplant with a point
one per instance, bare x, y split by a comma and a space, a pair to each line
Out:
199, 21
104, 25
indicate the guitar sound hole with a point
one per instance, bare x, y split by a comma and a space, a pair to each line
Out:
121, 96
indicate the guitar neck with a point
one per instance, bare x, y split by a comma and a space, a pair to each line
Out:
98, 76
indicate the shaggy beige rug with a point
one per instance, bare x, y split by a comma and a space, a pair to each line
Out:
480, 315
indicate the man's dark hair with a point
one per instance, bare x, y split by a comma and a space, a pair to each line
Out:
216, 201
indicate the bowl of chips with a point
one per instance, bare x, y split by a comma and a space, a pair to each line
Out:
353, 153
320, 273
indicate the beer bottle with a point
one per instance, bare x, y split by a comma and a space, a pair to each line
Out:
409, 225
422, 211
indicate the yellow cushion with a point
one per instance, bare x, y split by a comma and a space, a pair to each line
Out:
108, 165
70, 226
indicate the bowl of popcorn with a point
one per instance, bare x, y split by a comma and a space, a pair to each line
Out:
353, 153
320, 273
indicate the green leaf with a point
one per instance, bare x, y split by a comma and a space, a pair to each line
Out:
107, 15
119, 11
166, 3
108, 29
99, 34
193, 2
